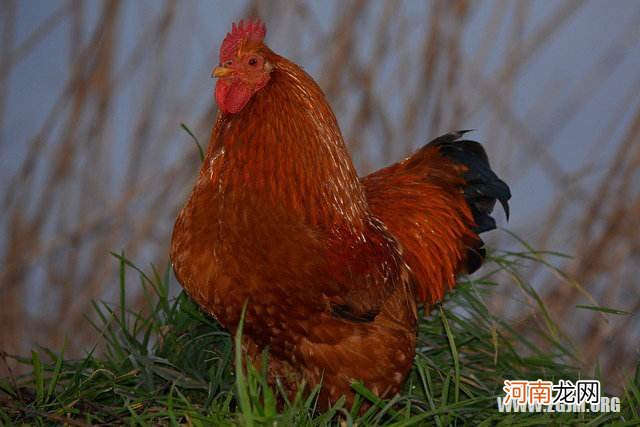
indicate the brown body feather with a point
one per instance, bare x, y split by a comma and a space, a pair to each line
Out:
421, 202
279, 219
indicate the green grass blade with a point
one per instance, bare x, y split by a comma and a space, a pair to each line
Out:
195, 140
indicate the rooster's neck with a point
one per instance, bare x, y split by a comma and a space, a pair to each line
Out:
285, 151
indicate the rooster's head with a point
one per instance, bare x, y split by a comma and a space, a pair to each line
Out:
243, 68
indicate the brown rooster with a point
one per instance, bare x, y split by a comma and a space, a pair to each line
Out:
331, 266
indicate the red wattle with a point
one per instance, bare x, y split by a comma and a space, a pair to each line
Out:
232, 96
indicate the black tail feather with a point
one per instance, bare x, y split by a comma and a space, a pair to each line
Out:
483, 187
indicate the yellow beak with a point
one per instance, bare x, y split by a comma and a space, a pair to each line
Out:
221, 72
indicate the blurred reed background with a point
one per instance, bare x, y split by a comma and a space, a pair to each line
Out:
93, 159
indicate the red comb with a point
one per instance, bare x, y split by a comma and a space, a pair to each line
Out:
253, 31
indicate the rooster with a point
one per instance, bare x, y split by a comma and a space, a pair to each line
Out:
330, 267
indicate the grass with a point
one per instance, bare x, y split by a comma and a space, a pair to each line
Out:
171, 364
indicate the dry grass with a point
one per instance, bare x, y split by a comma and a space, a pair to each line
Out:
89, 184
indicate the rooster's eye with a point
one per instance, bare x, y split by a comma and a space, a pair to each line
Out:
253, 61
